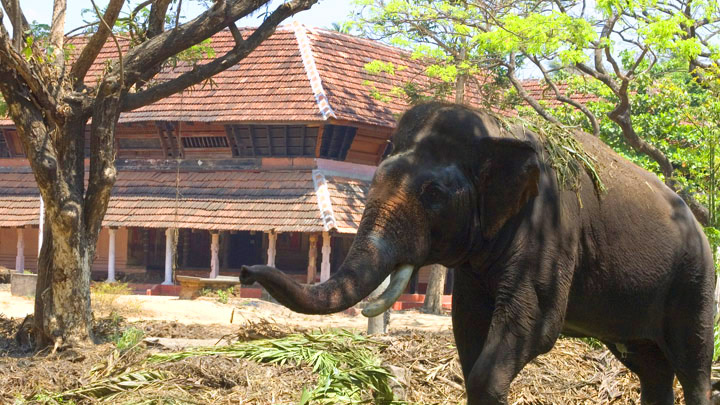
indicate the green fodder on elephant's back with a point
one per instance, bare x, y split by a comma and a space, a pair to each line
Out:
565, 154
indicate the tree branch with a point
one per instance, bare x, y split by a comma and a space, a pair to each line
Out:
524, 94
17, 20
203, 72
237, 36
177, 13
156, 26
220, 15
567, 100
57, 31
621, 115
637, 63
38, 92
102, 174
32, 127
95, 44
604, 78
604, 36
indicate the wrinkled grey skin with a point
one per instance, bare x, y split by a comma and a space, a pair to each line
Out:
630, 267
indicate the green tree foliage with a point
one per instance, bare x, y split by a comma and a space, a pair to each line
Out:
673, 111
642, 61
440, 35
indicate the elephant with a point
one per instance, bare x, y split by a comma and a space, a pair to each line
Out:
629, 266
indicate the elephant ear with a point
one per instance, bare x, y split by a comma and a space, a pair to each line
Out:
506, 173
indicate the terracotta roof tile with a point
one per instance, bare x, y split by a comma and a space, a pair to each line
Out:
540, 90
282, 200
271, 83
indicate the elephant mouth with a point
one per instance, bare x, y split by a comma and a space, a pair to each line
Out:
398, 282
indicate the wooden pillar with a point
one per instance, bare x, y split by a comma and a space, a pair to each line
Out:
169, 248
111, 255
224, 242
325, 266
186, 247
312, 259
214, 254
20, 258
272, 243
146, 246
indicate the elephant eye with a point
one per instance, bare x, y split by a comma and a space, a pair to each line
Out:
432, 193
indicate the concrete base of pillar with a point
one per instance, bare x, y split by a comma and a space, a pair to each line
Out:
23, 285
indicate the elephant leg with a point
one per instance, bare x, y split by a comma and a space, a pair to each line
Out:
514, 338
502, 358
471, 315
653, 369
689, 349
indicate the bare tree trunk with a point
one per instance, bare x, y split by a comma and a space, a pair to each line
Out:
62, 305
435, 290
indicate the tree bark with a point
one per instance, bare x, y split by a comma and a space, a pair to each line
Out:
62, 302
435, 290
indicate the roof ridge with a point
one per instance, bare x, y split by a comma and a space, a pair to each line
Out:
324, 201
308, 60
370, 41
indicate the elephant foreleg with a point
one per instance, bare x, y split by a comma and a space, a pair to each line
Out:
519, 331
472, 310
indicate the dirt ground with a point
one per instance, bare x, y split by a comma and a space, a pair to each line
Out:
419, 350
207, 310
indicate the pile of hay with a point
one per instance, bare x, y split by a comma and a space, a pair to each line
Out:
574, 372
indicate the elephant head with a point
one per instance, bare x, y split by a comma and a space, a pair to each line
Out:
452, 182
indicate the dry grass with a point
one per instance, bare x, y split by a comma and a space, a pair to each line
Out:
572, 373
104, 298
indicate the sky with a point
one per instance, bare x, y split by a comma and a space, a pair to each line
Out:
322, 14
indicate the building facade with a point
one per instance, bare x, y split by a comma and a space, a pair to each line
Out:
269, 162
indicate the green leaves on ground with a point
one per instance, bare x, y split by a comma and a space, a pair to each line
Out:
348, 370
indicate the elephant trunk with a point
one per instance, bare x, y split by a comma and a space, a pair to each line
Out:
369, 262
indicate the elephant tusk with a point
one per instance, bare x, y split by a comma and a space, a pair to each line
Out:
398, 281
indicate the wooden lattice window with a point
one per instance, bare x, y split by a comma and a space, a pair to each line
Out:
336, 141
4, 147
205, 142
273, 140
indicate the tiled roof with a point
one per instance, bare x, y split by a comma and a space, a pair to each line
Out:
275, 82
540, 90
282, 200
270, 84
346, 195
341, 61
240, 200
19, 211
19, 200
